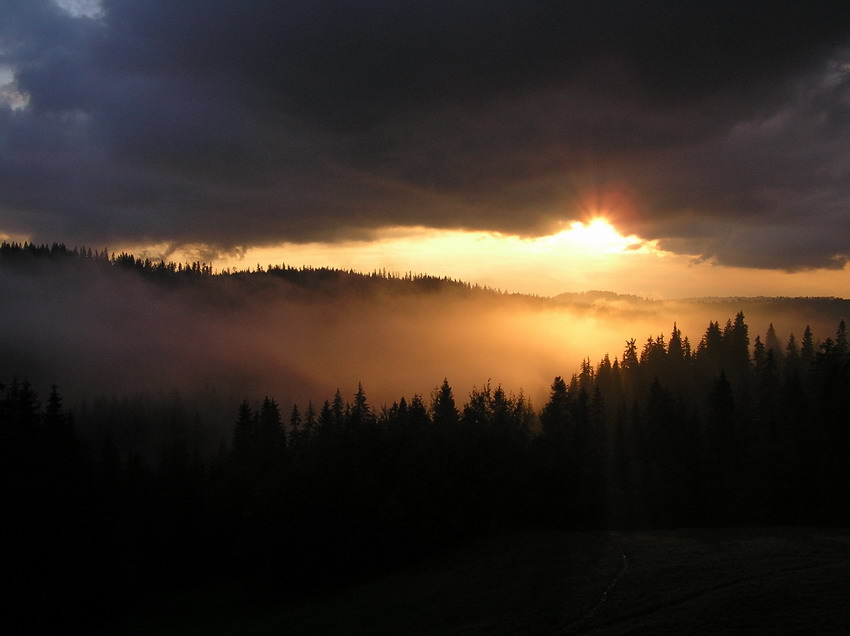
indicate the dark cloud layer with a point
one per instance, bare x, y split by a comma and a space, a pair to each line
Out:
722, 129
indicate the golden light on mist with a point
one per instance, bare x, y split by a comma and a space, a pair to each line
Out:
591, 254
544, 265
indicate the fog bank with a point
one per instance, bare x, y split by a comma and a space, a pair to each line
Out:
101, 331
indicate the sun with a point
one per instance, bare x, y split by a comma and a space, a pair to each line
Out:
596, 236
600, 235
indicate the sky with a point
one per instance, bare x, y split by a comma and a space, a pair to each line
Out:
659, 148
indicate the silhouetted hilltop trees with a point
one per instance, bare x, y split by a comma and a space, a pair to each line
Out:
229, 286
711, 436
729, 428
311, 279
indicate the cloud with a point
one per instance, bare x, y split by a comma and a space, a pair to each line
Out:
715, 128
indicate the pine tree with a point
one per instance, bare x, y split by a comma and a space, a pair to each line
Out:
841, 338
338, 410
709, 353
630, 370
675, 350
792, 356
772, 343
501, 409
360, 413
326, 418
271, 436
759, 354
243, 433
630, 358
443, 409
739, 347
477, 412
556, 413
417, 413
309, 421
608, 377
586, 375
295, 422
807, 352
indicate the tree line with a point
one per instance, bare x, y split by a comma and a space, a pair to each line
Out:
725, 430
26, 255
667, 434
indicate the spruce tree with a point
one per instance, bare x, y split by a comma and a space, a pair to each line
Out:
443, 409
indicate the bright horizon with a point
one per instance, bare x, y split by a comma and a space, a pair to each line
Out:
458, 166
577, 157
583, 256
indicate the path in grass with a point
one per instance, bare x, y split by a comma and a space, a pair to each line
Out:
604, 597
751, 581
746, 581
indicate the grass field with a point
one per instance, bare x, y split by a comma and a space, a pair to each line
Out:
695, 581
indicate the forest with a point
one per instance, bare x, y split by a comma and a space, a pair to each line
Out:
719, 428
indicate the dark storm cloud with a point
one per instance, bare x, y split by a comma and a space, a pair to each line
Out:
725, 128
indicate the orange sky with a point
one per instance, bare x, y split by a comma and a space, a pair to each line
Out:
396, 135
581, 257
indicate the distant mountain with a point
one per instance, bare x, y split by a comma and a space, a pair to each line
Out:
594, 295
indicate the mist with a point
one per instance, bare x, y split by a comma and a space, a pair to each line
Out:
166, 465
114, 332
104, 331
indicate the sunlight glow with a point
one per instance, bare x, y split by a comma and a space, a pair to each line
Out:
596, 236
583, 256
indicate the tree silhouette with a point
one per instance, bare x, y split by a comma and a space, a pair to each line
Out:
443, 410
661, 438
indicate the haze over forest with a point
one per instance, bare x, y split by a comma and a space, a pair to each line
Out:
109, 325
163, 452
383, 279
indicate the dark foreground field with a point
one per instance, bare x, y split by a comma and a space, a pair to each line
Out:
755, 581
